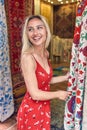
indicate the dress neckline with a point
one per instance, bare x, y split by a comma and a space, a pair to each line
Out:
42, 66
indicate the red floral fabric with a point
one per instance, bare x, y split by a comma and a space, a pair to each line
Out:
74, 104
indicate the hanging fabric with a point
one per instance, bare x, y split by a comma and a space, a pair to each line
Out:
16, 12
6, 95
84, 122
77, 81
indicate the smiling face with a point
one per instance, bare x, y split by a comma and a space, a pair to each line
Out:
36, 32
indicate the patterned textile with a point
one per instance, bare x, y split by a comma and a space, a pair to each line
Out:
64, 20
61, 47
74, 104
6, 95
84, 126
17, 10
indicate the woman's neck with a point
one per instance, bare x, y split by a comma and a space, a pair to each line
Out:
40, 51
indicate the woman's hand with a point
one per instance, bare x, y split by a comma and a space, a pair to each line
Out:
67, 76
63, 95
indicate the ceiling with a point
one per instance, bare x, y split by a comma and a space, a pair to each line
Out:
58, 2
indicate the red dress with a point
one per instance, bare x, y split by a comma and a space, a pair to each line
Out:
35, 115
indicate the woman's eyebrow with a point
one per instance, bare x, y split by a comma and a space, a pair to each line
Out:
36, 26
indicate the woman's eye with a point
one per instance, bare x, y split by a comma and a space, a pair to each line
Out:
40, 27
30, 29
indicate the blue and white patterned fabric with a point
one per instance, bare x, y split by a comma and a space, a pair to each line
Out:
6, 95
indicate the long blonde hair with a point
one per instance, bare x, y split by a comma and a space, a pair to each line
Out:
26, 44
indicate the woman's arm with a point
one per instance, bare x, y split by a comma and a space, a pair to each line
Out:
58, 79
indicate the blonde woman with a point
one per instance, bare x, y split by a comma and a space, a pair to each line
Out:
34, 111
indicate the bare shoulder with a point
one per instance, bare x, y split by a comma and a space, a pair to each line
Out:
26, 56
27, 60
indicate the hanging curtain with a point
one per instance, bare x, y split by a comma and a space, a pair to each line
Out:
6, 95
77, 81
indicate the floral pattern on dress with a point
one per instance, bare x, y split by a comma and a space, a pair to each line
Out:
74, 104
6, 95
35, 114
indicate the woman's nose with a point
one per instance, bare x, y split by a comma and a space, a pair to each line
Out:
35, 31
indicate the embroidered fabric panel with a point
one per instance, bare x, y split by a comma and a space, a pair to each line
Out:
74, 104
84, 122
6, 95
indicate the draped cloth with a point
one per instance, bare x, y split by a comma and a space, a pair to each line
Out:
16, 12
84, 122
6, 95
75, 104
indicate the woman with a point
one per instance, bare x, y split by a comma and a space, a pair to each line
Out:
34, 112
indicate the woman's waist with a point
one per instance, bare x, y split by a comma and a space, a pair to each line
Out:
28, 98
